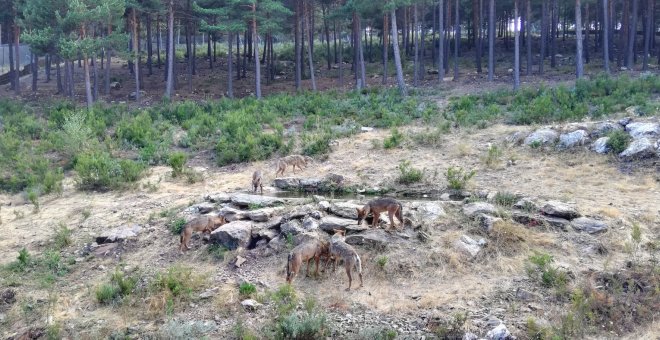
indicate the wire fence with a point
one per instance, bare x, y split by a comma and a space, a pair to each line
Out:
24, 55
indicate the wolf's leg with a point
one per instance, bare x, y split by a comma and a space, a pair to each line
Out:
348, 272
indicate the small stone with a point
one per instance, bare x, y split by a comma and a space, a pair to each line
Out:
209, 293
239, 261
560, 209
499, 333
476, 208
589, 225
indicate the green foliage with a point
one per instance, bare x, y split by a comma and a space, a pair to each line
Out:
106, 293
452, 328
176, 280
316, 143
23, 259
543, 272
393, 140
382, 261
33, 197
409, 174
247, 289
458, 178
217, 251
378, 334
618, 141
493, 156
176, 225
177, 161
99, 171
505, 199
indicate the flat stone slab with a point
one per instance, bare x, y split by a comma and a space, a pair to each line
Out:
374, 238
245, 200
589, 225
477, 208
119, 234
560, 209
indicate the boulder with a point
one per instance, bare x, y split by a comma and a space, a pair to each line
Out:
324, 205
345, 209
287, 183
486, 222
230, 214
292, 227
542, 136
268, 234
310, 224
250, 304
273, 222
262, 215
133, 95
328, 223
589, 225
603, 128
535, 220
643, 129
625, 121
560, 209
328, 183
298, 212
430, 211
556, 222
516, 138
499, 333
209, 293
219, 197
526, 204
573, 139
119, 234
233, 235
476, 208
640, 148
600, 145
376, 238
201, 208
467, 246
245, 200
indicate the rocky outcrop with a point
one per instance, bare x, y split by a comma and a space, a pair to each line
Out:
573, 139
476, 208
604, 128
292, 227
639, 148
376, 238
560, 209
233, 235
328, 223
600, 145
644, 129
589, 225
246, 200
542, 137
345, 209
119, 234
330, 182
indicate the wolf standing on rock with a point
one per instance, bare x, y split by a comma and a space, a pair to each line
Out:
205, 224
293, 160
379, 205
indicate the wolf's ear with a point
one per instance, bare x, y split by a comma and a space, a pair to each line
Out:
343, 232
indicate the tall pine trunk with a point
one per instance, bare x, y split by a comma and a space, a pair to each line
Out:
649, 30
587, 27
298, 48
491, 40
170, 50
136, 52
457, 38
478, 35
553, 34
95, 92
310, 57
544, 34
327, 37
441, 41
397, 55
257, 65
108, 57
17, 58
149, 47
385, 44
623, 34
632, 34
516, 56
158, 41
416, 47
230, 85
579, 72
528, 8
606, 35
34, 68
58, 74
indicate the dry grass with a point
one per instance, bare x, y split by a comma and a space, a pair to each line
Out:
610, 212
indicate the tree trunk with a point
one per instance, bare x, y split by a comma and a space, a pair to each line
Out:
528, 70
17, 58
632, 34
579, 72
544, 34
491, 40
606, 44
238, 56
58, 75
12, 65
257, 65
341, 60
158, 40
108, 57
478, 36
397, 56
327, 37
170, 50
34, 69
516, 56
416, 47
441, 42
230, 86
363, 73
209, 52
310, 57
385, 45
334, 37
245, 52
623, 34
553, 34
136, 52
149, 47
297, 49
649, 30
47, 66
457, 38
587, 31
88, 85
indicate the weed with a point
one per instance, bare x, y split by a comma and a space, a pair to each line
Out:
492, 156
377, 334
176, 226
451, 329
62, 236
255, 206
106, 293
86, 213
285, 299
316, 144
53, 331
546, 274
23, 259
537, 332
408, 174
192, 176
33, 197
618, 141
382, 261
393, 140
217, 251
247, 289
506, 199
535, 144
458, 177
241, 332
634, 246
288, 240
177, 161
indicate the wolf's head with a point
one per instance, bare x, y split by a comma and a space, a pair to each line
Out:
340, 235
362, 214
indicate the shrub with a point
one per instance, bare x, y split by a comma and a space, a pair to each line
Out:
99, 171
177, 161
393, 140
217, 251
304, 326
408, 174
505, 199
458, 177
62, 236
451, 329
33, 197
618, 141
23, 260
247, 289
382, 261
178, 281
492, 156
176, 226
316, 143
106, 293
545, 273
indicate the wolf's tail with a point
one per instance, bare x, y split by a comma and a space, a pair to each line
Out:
358, 263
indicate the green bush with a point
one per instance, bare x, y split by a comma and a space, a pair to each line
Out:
505, 199
458, 177
543, 271
99, 171
393, 140
62, 236
618, 141
408, 174
177, 161
176, 226
106, 293
217, 251
316, 143
176, 280
247, 289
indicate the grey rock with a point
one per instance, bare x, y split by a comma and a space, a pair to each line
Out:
115, 85
292, 227
486, 222
473, 209
499, 333
318, 198
603, 128
250, 304
201, 208
377, 238
287, 183
625, 121
600, 145
233, 235
209, 293
543, 136
230, 214
262, 215
245, 200
133, 95
316, 214
643, 129
560, 209
526, 204
556, 222
589, 225
119, 234
328, 223
310, 224
324, 205
220, 197
431, 211
298, 212
467, 246
273, 222
268, 234
470, 336
573, 139
640, 148
345, 209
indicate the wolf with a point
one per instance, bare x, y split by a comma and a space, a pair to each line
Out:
205, 224
305, 252
379, 205
341, 250
257, 181
293, 160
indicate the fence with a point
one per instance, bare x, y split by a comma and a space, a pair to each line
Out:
24, 54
